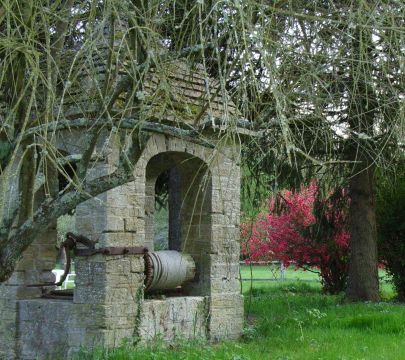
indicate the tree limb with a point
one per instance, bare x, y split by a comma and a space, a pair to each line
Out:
126, 124
13, 246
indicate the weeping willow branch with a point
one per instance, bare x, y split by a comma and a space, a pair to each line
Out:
124, 124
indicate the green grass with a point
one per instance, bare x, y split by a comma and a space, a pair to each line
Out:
261, 274
296, 321
273, 272
293, 320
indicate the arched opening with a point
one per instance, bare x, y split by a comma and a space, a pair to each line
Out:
178, 211
167, 222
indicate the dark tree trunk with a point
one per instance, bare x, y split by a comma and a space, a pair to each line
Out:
362, 114
363, 272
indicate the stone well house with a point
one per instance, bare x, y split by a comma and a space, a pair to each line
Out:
109, 302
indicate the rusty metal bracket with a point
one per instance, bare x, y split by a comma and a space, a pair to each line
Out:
70, 244
67, 246
111, 250
148, 270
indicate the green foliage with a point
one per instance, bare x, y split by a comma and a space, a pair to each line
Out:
161, 229
254, 191
391, 225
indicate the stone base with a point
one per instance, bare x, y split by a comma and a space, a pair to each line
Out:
44, 328
50, 329
174, 318
55, 329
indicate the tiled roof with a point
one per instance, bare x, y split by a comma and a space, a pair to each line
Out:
171, 92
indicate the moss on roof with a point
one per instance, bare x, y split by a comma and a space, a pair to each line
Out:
172, 91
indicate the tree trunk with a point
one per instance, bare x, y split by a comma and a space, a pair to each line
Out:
363, 272
362, 114
26, 186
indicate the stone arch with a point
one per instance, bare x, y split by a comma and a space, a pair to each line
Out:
192, 210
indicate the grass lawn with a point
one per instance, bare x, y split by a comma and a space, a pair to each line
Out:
262, 274
273, 272
294, 320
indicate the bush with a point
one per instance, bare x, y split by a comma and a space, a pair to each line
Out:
391, 226
303, 229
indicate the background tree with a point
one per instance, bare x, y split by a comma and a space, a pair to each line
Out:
336, 89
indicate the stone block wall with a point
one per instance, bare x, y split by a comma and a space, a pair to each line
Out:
57, 329
111, 285
33, 268
174, 318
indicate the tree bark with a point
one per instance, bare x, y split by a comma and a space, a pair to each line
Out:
362, 114
26, 185
363, 271
12, 248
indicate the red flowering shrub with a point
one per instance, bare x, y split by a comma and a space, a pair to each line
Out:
302, 229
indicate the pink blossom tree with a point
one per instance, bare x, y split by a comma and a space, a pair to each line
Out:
303, 229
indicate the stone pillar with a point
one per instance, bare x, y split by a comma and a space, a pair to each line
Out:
226, 308
109, 286
149, 213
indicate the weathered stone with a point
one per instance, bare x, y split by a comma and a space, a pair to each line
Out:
180, 317
119, 239
89, 294
24, 292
